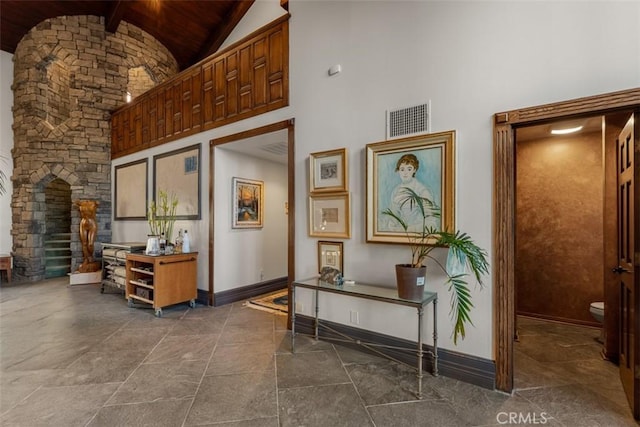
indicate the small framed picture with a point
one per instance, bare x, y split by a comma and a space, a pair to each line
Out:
328, 171
329, 215
248, 203
330, 255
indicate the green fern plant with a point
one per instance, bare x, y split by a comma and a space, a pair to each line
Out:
462, 251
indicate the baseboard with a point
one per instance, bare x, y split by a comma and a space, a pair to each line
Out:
250, 291
203, 297
590, 323
463, 367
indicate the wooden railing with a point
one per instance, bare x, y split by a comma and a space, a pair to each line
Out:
249, 78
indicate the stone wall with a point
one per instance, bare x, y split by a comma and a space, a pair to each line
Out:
69, 75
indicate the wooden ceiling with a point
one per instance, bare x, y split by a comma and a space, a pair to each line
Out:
191, 30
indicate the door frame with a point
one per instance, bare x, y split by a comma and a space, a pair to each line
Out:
289, 125
504, 207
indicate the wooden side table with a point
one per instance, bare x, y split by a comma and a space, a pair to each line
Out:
5, 264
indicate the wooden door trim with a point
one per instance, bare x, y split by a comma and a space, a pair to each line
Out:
504, 208
274, 127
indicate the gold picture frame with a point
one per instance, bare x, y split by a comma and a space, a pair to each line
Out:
328, 171
330, 254
431, 160
329, 215
248, 203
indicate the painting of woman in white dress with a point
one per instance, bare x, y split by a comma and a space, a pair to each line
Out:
422, 175
422, 165
406, 169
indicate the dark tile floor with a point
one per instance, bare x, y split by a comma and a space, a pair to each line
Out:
70, 356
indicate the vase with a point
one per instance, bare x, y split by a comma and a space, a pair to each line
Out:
153, 245
410, 281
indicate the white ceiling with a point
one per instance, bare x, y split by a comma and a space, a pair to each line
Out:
529, 133
270, 146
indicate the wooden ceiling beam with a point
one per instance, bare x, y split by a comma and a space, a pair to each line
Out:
219, 34
114, 15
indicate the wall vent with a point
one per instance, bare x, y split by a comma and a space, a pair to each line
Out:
408, 121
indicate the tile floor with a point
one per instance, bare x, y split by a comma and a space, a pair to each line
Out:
70, 356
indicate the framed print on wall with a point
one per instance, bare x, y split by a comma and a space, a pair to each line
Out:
248, 203
330, 255
328, 171
178, 173
329, 215
130, 199
423, 163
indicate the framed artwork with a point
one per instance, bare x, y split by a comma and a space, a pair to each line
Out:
328, 171
329, 215
248, 203
330, 255
178, 173
130, 198
424, 164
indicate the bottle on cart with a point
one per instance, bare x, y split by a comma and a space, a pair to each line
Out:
163, 244
179, 242
186, 242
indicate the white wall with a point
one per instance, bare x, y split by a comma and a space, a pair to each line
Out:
6, 144
261, 13
136, 231
396, 54
247, 256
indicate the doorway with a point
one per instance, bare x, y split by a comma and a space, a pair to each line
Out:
504, 207
275, 142
559, 220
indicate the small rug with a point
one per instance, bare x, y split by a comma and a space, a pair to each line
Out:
276, 303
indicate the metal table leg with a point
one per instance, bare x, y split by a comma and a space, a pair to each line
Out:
293, 319
317, 312
420, 352
435, 337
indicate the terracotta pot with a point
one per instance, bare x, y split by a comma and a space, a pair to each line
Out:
410, 281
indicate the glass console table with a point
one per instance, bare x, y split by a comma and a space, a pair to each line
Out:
375, 293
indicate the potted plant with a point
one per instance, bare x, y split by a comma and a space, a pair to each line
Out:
464, 255
161, 217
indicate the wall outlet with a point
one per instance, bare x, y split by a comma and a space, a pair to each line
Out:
354, 316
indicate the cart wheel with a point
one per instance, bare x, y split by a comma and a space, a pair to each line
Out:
192, 303
102, 290
158, 312
130, 302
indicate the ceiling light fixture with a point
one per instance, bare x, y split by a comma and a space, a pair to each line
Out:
566, 131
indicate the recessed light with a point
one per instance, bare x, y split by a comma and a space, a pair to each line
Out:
566, 131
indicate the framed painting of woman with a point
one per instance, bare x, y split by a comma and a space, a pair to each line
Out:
425, 165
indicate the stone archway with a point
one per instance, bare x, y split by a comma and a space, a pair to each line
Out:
31, 233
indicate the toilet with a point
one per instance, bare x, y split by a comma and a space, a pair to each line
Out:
597, 311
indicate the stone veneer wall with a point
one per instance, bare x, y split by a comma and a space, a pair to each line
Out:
69, 74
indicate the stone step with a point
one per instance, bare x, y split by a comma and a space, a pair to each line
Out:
61, 235
60, 249
46, 242
50, 258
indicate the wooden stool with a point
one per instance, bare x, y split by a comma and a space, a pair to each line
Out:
5, 264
